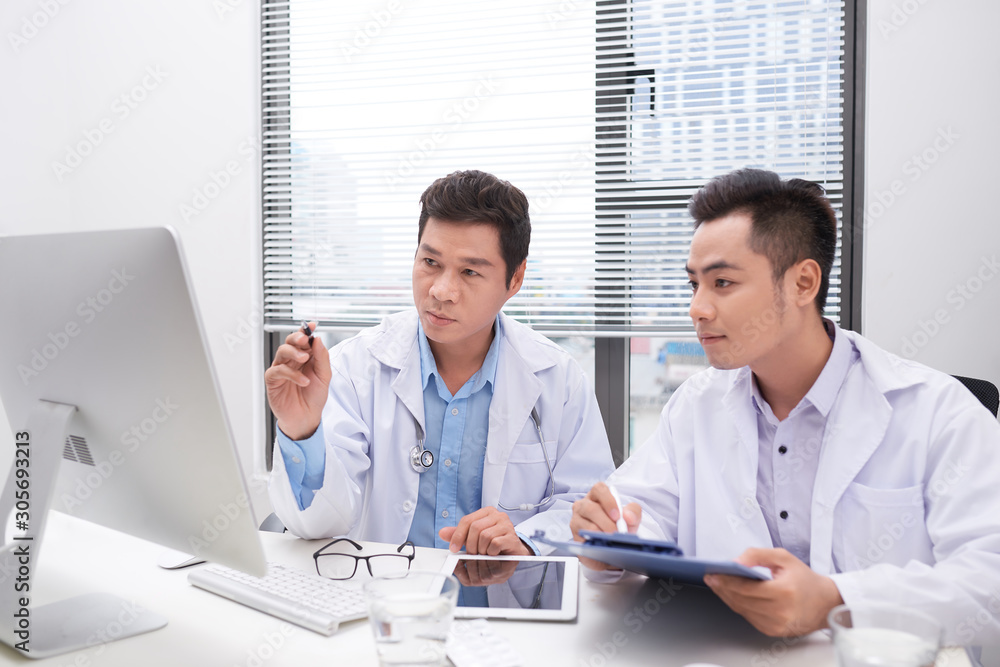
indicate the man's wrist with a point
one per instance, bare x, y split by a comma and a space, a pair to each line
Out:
831, 598
532, 550
297, 434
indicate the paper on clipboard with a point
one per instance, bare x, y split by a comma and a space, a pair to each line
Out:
653, 558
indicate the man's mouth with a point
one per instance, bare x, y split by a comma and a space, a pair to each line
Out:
440, 320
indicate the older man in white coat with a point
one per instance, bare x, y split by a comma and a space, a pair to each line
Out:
449, 425
852, 474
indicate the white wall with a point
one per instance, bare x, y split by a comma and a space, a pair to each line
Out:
190, 70
931, 289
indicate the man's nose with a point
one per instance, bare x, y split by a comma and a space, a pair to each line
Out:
701, 307
444, 288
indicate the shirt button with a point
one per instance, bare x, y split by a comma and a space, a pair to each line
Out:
782, 449
407, 506
784, 514
296, 459
454, 411
447, 463
444, 513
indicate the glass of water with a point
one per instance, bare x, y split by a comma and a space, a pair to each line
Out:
884, 635
411, 615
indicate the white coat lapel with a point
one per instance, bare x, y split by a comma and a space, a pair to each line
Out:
516, 392
408, 387
855, 428
737, 522
398, 348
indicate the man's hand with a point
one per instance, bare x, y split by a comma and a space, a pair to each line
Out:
484, 572
297, 384
598, 511
795, 602
486, 531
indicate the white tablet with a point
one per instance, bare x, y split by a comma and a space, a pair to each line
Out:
539, 588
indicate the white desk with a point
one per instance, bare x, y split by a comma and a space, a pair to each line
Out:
633, 623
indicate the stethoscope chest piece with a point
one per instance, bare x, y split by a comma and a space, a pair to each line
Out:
421, 459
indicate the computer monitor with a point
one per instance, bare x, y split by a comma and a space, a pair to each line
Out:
117, 418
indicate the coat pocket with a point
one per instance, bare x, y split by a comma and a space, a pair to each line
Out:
880, 526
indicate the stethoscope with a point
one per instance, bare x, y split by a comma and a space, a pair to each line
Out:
422, 459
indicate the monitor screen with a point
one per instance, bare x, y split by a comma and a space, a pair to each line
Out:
108, 378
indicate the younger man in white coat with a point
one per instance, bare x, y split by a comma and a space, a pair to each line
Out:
852, 474
511, 424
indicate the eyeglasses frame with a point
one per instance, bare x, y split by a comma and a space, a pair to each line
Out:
319, 552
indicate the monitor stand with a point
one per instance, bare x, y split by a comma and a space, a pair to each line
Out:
67, 625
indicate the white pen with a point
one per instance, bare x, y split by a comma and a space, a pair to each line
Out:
621, 525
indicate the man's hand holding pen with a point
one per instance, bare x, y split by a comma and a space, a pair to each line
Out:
297, 383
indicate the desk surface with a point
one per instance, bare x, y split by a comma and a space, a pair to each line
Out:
636, 622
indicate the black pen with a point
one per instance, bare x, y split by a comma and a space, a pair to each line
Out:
307, 330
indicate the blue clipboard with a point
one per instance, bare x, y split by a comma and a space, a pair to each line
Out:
653, 558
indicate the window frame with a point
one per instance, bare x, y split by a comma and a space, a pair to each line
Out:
612, 355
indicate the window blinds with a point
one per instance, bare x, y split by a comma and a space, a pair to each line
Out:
608, 115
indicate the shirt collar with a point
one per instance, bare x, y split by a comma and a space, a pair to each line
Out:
486, 373
824, 391
826, 387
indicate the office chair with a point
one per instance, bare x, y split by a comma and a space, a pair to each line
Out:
984, 390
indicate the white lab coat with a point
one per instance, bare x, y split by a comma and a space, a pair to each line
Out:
906, 503
376, 399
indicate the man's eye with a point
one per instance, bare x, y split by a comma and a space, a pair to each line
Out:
721, 282
693, 285
429, 262
470, 272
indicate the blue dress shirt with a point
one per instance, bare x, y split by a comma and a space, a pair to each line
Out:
457, 426
305, 461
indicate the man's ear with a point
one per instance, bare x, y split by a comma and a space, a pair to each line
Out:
517, 279
806, 280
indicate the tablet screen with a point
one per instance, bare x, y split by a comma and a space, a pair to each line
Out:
508, 587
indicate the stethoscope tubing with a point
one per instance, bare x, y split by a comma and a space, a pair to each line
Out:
421, 460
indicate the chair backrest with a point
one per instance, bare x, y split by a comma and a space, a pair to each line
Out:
984, 390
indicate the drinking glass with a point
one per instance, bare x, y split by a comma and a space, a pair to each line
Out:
410, 616
886, 635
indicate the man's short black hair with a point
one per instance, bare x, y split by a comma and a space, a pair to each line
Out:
477, 197
790, 220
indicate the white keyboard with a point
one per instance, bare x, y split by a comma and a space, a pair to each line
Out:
299, 597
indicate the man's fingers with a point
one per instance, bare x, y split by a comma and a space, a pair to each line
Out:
321, 361
597, 515
495, 538
461, 537
446, 533
601, 494
633, 516
485, 531
579, 522
276, 375
496, 528
297, 352
298, 340
738, 592
723, 586
473, 542
773, 558
458, 535
288, 354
